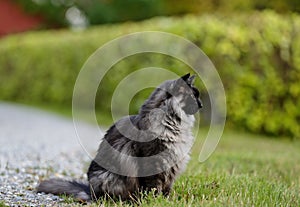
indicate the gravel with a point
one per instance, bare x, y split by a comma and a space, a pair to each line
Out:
36, 145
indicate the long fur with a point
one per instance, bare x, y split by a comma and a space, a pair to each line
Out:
161, 130
76, 189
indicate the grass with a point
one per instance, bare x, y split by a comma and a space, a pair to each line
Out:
245, 170
2, 204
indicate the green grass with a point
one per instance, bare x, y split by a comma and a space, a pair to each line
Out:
2, 204
245, 170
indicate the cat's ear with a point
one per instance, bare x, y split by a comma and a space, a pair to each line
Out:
191, 80
185, 77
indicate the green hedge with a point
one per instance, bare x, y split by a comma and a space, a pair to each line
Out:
257, 56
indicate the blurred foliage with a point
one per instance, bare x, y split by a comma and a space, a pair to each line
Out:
53, 14
246, 5
99, 12
257, 57
110, 11
102, 11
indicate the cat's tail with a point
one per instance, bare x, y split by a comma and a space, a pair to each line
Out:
80, 191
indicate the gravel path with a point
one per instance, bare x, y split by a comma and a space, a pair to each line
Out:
37, 145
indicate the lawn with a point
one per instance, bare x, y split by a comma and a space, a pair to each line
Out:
245, 170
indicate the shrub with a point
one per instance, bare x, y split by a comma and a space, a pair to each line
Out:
257, 56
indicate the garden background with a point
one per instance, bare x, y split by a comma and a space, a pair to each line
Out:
254, 45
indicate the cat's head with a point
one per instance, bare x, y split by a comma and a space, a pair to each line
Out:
180, 94
186, 94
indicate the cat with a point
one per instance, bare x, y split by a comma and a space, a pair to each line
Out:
143, 152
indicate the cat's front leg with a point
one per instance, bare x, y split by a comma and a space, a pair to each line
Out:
167, 189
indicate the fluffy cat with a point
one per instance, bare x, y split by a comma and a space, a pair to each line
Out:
141, 152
